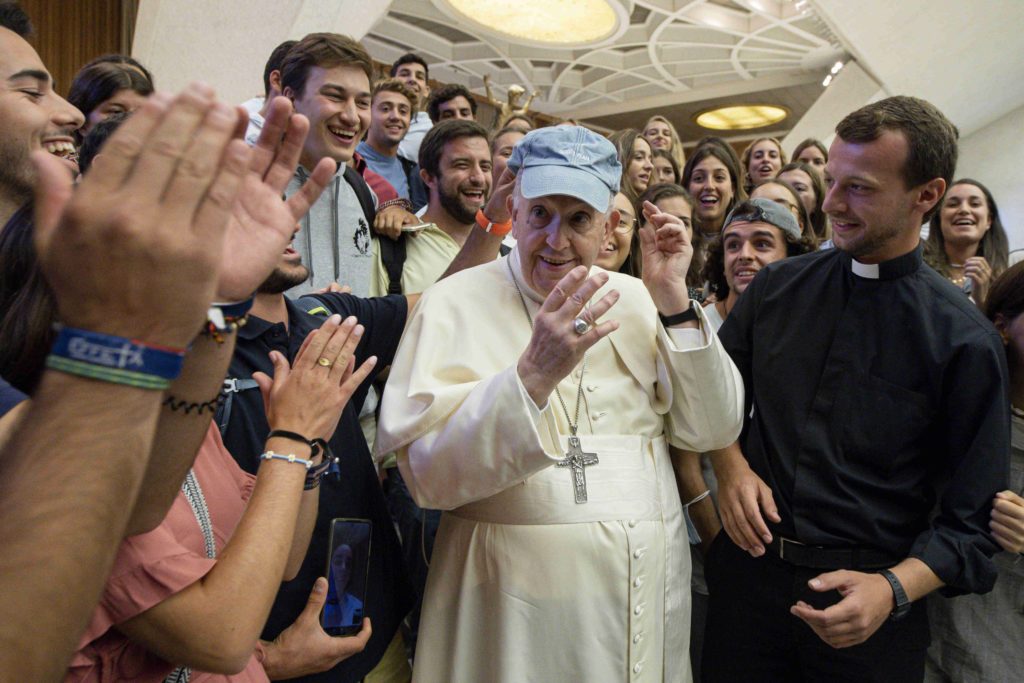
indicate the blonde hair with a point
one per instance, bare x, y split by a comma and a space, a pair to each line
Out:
677, 145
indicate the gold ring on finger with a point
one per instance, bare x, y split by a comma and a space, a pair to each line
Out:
325, 362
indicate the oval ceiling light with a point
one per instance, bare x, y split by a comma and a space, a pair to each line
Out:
741, 117
561, 23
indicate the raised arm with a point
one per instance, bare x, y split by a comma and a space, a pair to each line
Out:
133, 254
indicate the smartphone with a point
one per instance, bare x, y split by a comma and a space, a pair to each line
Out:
415, 228
348, 565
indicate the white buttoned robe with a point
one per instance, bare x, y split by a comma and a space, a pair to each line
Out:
525, 584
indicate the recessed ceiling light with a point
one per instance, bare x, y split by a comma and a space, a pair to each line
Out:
542, 22
741, 117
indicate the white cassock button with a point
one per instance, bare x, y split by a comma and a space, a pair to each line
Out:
638, 553
591, 387
638, 610
632, 523
637, 669
636, 638
637, 582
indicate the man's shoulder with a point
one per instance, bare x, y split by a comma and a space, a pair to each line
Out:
952, 310
811, 262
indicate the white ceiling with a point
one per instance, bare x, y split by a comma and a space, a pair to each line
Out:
671, 51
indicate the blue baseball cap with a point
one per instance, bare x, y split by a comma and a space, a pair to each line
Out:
567, 160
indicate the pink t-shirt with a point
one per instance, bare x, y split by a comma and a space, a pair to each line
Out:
153, 566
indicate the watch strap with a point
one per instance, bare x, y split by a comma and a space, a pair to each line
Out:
689, 315
900, 595
499, 229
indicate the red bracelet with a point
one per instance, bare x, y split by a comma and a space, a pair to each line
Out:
499, 229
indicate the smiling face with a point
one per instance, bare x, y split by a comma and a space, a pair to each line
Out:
414, 76
337, 103
389, 120
765, 162
875, 216
640, 167
464, 181
616, 247
747, 248
554, 234
711, 187
659, 135
782, 196
123, 101
33, 118
965, 216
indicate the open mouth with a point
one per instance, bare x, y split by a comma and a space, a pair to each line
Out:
709, 200
62, 149
476, 196
965, 221
766, 169
345, 137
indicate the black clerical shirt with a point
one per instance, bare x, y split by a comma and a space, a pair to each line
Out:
353, 490
877, 392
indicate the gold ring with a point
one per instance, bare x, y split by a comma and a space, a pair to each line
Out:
325, 362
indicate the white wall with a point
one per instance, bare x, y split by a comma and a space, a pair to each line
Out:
994, 155
850, 90
226, 43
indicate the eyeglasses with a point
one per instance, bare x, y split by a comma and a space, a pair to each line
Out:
626, 224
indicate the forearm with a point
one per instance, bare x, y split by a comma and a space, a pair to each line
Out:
303, 532
179, 432
214, 624
691, 483
723, 460
69, 477
917, 578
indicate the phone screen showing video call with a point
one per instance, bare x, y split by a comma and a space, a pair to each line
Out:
348, 561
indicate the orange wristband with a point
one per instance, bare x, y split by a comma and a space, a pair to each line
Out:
499, 229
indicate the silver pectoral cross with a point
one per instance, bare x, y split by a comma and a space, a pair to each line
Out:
578, 461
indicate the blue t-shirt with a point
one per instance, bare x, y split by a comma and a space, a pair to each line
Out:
389, 167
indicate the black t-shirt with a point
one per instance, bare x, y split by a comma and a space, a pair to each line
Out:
352, 491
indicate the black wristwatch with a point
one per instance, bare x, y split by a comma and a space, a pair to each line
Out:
902, 602
686, 316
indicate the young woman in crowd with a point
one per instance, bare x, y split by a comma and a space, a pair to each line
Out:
635, 157
665, 168
675, 200
811, 189
711, 176
978, 637
761, 161
660, 132
108, 85
501, 149
966, 240
781, 192
621, 252
813, 153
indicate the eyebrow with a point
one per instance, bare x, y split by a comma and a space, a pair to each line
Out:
342, 89
37, 74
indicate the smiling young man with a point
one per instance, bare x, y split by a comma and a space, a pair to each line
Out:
34, 118
412, 70
327, 77
542, 431
455, 161
879, 430
392, 107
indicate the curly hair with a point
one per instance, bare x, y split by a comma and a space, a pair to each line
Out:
714, 267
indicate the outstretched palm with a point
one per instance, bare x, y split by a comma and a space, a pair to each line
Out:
262, 222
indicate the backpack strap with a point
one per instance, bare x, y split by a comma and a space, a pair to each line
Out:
363, 193
392, 255
231, 387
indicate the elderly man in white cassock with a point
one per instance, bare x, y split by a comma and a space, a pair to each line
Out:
541, 426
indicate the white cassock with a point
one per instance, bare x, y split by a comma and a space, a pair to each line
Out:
525, 584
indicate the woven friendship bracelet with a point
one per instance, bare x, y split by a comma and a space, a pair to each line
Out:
187, 407
118, 360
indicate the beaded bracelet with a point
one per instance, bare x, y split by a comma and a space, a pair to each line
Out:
223, 319
290, 457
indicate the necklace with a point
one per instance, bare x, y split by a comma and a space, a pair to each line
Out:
575, 458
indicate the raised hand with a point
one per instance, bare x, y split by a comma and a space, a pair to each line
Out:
136, 250
262, 223
978, 270
555, 348
499, 204
389, 221
308, 397
667, 252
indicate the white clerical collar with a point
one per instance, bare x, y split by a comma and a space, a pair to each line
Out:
865, 270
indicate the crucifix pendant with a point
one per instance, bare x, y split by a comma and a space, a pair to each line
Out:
576, 459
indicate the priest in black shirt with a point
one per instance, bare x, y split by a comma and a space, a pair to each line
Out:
353, 489
878, 431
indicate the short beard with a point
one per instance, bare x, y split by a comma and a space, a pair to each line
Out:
454, 206
17, 175
283, 279
868, 245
